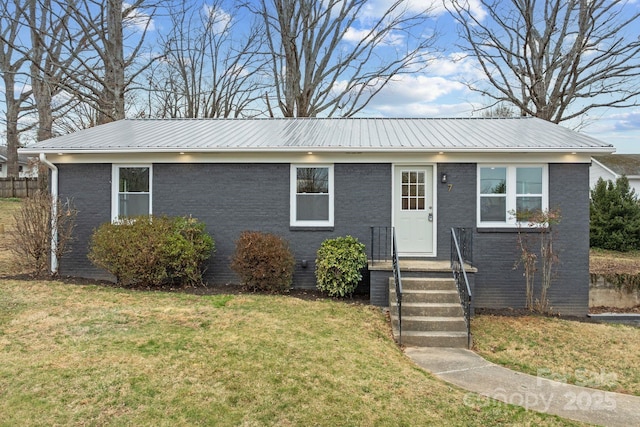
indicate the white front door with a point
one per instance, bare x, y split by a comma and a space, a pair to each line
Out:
414, 210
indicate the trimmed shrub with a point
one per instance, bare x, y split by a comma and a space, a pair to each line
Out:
152, 251
339, 265
188, 248
264, 262
615, 216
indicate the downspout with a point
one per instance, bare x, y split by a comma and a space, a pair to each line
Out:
54, 211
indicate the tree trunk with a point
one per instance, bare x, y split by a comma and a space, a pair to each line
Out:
111, 103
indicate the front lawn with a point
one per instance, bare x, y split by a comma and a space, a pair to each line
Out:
8, 207
89, 355
603, 356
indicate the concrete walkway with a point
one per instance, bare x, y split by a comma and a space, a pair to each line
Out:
469, 371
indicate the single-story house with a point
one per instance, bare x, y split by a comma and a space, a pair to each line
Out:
610, 167
26, 167
309, 179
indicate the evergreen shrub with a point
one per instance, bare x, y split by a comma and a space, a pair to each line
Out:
339, 265
615, 216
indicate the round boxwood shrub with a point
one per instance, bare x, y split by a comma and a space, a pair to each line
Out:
264, 262
152, 251
339, 265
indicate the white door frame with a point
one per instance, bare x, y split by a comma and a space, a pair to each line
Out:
395, 200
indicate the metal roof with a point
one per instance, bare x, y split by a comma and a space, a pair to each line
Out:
323, 134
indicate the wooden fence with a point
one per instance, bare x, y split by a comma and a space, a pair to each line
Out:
18, 187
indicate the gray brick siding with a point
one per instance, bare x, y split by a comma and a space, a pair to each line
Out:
499, 285
89, 188
456, 202
231, 198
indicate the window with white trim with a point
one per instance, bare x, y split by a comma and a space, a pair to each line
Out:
506, 193
131, 190
312, 195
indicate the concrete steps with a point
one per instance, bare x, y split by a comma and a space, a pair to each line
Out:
431, 313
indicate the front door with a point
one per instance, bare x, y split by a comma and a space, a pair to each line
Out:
414, 210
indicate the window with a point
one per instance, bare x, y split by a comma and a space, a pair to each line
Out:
131, 188
507, 190
311, 195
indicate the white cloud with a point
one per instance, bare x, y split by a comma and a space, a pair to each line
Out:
421, 96
137, 19
377, 8
219, 18
353, 35
618, 127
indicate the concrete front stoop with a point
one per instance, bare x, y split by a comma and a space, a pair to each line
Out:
432, 315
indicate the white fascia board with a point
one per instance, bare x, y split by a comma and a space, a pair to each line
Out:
321, 157
347, 150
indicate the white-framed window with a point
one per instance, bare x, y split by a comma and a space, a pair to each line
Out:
311, 195
131, 190
508, 192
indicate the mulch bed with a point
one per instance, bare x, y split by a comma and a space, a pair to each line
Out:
206, 289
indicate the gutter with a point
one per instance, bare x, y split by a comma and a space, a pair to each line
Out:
341, 150
54, 211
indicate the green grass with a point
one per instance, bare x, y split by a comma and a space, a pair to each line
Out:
8, 207
89, 355
602, 356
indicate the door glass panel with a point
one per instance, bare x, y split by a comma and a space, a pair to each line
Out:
413, 190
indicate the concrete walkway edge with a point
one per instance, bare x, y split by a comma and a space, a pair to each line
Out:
469, 371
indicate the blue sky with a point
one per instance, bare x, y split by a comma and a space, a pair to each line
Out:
438, 91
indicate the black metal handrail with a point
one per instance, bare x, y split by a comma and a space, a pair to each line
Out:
381, 246
462, 282
398, 282
384, 249
465, 242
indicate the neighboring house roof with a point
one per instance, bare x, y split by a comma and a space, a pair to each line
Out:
324, 134
22, 159
620, 164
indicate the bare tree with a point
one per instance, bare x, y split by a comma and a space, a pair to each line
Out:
499, 110
326, 58
15, 79
102, 74
554, 59
50, 62
209, 68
